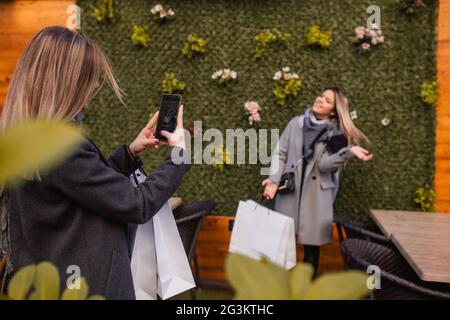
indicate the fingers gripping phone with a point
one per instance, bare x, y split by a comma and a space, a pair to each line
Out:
168, 114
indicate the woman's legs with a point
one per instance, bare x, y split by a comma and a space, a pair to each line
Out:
312, 254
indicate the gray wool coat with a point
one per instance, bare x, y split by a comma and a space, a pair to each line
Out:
313, 209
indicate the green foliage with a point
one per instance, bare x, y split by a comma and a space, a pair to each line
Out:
35, 145
42, 282
269, 38
170, 84
424, 197
104, 11
287, 84
262, 280
193, 46
377, 85
318, 38
220, 158
428, 92
139, 36
410, 7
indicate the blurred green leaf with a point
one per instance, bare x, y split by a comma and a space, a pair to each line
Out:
256, 279
301, 280
36, 144
348, 285
96, 297
263, 280
21, 283
46, 282
76, 294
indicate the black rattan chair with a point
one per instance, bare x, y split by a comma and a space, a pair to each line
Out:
188, 217
398, 280
360, 230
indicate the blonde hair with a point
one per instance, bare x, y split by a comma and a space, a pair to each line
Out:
353, 134
56, 77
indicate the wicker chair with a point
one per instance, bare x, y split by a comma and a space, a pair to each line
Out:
360, 230
188, 217
398, 280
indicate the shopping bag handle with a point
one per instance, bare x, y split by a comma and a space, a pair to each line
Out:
262, 202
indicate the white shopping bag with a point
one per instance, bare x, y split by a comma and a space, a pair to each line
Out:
159, 264
173, 269
143, 263
259, 231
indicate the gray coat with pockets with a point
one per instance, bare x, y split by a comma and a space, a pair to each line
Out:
312, 211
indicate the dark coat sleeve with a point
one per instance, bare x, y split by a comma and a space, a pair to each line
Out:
89, 181
121, 161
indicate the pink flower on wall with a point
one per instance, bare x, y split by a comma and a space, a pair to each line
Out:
252, 109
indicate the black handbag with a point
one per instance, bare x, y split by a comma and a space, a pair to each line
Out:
287, 181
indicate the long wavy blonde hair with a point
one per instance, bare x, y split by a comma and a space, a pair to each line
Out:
353, 134
56, 77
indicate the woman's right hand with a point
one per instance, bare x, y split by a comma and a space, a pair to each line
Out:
176, 138
270, 189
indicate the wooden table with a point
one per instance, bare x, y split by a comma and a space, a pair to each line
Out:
423, 238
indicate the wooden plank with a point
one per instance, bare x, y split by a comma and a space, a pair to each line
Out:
443, 150
442, 181
442, 205
19, 22
213, 242
442, 192
442, 174
443, 166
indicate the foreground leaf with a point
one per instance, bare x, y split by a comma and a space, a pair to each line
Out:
21, 283
346, 285
46, 282
301, 279
35, 144
76, 294
257, 280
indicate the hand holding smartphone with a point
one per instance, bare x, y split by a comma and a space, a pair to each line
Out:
169, 128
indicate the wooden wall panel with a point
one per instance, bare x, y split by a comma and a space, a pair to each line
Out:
20, 20
442, 153
214, 239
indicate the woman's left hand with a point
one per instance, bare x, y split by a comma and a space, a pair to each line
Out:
146, 138
361, 153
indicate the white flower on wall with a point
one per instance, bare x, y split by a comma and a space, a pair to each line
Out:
385, 121
224, 75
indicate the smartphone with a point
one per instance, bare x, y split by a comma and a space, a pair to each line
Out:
168, 114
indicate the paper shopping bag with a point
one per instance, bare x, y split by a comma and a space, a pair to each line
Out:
259, 231
143, 263
159, 263
143, 258
173, 269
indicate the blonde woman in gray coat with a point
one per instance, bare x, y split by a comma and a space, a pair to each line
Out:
315, 146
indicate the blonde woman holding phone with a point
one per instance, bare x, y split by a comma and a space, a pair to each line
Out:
77, 213
314, 147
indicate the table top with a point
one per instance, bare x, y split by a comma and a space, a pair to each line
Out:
423, 238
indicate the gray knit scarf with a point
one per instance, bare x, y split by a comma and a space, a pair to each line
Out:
315, 130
